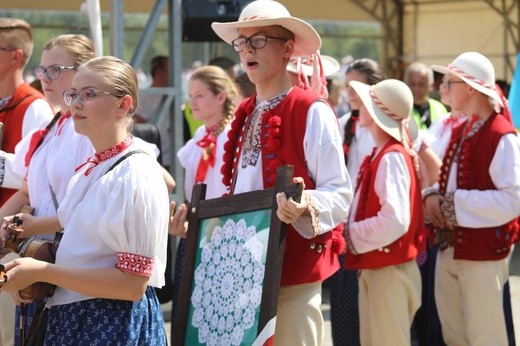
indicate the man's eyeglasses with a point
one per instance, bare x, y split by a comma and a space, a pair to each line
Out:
257, 41
52, 72
449, 83
85, 95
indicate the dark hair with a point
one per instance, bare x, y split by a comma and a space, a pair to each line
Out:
157, 62
373, 74
244, 84
223, 62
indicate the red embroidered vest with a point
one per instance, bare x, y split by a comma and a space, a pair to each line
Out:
405, 248
283, 130
12, 115
475, 157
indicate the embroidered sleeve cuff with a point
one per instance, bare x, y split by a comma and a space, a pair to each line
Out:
135, 264
2, 167
448, 210
314, 213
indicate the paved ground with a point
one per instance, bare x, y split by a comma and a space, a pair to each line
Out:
515, 301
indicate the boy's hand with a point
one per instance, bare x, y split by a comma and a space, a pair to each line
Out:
289, 210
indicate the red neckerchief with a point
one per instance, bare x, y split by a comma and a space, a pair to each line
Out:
38, 136
209, 151
105, 155
61, 121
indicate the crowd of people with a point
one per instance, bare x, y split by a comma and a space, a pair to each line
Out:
409, 210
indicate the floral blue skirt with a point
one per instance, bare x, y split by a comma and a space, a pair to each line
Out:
107, 322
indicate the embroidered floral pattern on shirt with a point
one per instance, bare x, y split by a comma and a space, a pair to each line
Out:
2, 169
135, 264
252, 144
228, 284
105, 155
448, 210
312, 207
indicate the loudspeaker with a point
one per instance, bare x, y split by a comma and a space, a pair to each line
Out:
199, 14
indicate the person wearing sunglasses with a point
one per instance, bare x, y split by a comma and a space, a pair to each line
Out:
22, 109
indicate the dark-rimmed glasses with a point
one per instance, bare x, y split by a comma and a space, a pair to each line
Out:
449, 83
85, 95
52, 72
257, 41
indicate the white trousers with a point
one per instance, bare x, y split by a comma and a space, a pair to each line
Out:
469, 297
299, 320
388, 300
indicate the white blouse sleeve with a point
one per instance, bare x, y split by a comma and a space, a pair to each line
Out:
392, 185
489, 208
323, 150
135, 222
14, 169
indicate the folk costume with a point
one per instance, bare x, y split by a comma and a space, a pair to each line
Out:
308, 130
442, 130
385, 229
21, 113
24, 111
481, 187
50, 167
112, 219
293, 127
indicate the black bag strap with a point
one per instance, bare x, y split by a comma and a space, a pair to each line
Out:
122, 158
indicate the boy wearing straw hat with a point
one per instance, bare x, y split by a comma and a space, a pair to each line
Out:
475, 206
385, 228
285, 125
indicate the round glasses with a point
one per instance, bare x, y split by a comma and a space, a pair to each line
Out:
257, 41
85, 95
52, 72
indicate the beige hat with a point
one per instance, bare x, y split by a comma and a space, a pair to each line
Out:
476, 70
329, 64
267, 13
389, 103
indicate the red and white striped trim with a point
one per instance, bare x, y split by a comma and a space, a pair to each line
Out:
383, 107
254, 18
471, 78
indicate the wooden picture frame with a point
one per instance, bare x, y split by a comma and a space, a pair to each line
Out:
230, 280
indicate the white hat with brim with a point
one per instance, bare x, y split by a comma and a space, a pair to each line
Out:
476, 70
266, 13
329, 64
388, 102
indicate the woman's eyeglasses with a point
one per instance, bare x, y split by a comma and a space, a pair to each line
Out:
52, 72
85, 95
257, 41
